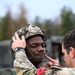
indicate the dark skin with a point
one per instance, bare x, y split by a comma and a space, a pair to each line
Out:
37, 50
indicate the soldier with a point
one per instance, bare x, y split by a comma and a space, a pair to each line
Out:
24, 67
35, 43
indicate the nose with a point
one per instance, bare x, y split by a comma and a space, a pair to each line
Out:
41, 49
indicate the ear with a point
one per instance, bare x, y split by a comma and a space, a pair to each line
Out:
72, 52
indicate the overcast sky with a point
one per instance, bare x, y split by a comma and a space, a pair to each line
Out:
43, 8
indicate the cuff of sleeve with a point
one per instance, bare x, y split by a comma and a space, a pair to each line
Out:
18, 48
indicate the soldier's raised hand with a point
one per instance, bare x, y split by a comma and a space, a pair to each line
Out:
17, 42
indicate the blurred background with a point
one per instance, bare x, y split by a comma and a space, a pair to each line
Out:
56, 17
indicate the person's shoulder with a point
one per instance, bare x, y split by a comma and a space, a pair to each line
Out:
52, 70
60, 71
66, 71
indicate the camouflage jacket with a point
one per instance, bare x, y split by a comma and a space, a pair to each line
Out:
24, 67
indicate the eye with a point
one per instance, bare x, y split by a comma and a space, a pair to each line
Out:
33, 46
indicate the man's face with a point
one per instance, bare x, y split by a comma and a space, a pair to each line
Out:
67, 57
37, 47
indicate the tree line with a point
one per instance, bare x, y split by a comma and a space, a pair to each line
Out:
59, 26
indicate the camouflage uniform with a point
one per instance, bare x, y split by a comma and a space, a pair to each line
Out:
24, 67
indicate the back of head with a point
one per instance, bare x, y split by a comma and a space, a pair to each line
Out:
69, 39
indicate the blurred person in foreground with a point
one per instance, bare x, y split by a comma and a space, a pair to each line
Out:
24, 67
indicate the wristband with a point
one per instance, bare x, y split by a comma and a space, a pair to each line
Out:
18, 48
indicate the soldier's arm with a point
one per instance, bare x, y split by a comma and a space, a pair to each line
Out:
22, 64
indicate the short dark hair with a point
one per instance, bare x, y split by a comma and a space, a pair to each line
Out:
69, 40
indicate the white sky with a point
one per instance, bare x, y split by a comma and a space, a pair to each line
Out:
43, 8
